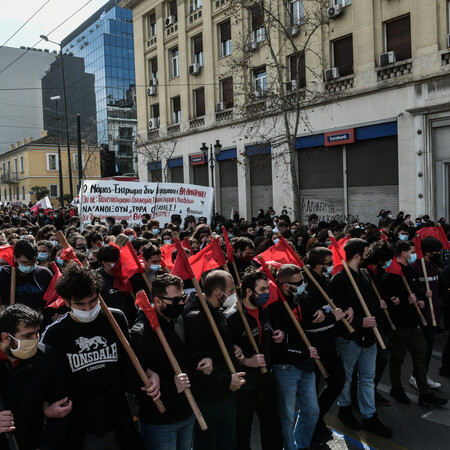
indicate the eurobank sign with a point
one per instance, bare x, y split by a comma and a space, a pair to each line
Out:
339, 137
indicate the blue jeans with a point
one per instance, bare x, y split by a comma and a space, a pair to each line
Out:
295, 386
363, 358
173, 436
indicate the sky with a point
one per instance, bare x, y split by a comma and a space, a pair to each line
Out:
52, 14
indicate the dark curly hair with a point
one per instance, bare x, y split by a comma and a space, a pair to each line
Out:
78, 283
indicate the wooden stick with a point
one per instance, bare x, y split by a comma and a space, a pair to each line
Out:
363, 304
430, 299
147, 282
419, 312
386, 312
177, 369
326, 297
12, 294
238, 278
119, 333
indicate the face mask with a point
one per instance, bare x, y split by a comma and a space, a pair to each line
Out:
418, 224
59, 261
155, 231
390, 216
403, 237
167, 241
82, 248
386, 265
53, 242
230, 235
262, 299
22, 236
275, 241
86, 316
173, 311
27, 213
300, 289
217, 229
41, 215
27, 269
230, 301
272, 217
111, 266
42, 256
155, 267
357, 226
26, 348
436, 259
413, 258
328, 270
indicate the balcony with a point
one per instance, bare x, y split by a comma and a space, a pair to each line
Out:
394, 70
194, 16
150, 42
9, 177
340, 84
220, 4
153, 134
197, 122
172, 129
224, 115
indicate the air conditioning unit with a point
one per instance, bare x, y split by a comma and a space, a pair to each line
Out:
151, 91
295, 30
448, 40
387, 58
153, 123
291, 85
220, 106
331, 74
194, 69
154, 81
334, 11
252, 45
170, 21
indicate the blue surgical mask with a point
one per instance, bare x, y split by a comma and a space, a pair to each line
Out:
27, 269
262, 299
300, 289
42, 256
155, 267
59, 261
167, 241
217, 229
387, 264
230, 235
403, 237
41, 214
275, 241
413, 258
329, 270
155, 231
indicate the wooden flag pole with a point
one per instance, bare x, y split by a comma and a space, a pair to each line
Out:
12, 294
430, 299
419, 312
119, 333
386, 312
238, 278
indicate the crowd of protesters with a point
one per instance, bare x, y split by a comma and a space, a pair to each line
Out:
67, 382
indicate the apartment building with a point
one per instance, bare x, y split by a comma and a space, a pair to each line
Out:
372, 80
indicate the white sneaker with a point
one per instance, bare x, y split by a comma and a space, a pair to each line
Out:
433, 384
413, 383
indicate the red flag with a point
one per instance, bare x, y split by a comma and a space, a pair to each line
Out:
182, 268
291, 251
211, 257
230, 252
129, 260
418, 246
51, 295
149, 310
121, 280
337, 247
58, 303
437, 232
68, 254
277, 253
6, 252
186, 244
166, 255
395, 267
383, 235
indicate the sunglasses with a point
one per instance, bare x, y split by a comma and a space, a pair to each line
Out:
175, 300
296, 283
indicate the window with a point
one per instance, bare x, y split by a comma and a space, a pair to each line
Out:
297, 12
15, 165
21, 164
176, 110
173, 9
4, 168
225, 38
195, 4
152, 25
10, 194
343, 55
398, 38
297, 69
227, 92
6, 197
257, 18
17, 192
198, 49
174, 62
8, 163
199, 100
52, 161
75, 162
53, 190
260, 77
23, 192
153, 68
155, 111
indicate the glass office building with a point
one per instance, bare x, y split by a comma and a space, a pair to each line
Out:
105, 42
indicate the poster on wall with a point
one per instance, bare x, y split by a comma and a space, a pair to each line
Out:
130, 200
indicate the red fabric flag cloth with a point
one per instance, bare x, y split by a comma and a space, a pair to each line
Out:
51, 295
129, 260
166, 255
6, 252
383, 235
337, 247
395, 267
437, 232
186, 244
121, 280
150, 312
68, 254
418, 246
58, 303
278, 253
211, 257
230, 252
182, 268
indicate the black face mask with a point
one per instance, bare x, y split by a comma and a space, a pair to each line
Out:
94, 265
82, 248
436, 259
173, 311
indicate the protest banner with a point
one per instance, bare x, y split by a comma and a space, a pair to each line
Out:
125, 200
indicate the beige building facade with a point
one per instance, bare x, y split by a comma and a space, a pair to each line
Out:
372, 78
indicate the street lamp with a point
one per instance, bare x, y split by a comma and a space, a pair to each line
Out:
46, 39
204, 149
56, 99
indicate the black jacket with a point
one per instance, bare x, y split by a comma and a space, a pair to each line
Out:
24, 388
152, 356
345, 297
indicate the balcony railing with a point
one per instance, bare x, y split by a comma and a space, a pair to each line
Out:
9, 177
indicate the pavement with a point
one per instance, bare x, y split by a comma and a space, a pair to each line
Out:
415, 427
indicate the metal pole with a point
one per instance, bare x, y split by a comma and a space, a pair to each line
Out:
211, 155
80, 160
67, 125
61, 189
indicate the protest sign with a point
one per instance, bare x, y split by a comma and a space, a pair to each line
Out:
125, 200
